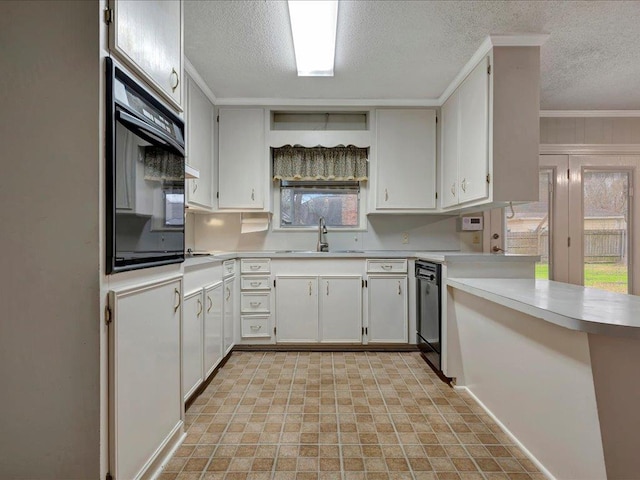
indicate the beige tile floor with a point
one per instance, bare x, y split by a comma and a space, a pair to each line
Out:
323, 415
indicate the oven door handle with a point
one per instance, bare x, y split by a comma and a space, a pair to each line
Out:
149, 132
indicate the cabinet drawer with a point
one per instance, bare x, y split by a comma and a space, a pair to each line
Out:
255, 265
228, 268
255, 302
387, 265
255, 283
255, 326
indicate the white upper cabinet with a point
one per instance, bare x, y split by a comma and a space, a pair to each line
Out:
243, 160
147, 36
490, 132
405, 171
473, 126
200, 146
449, 151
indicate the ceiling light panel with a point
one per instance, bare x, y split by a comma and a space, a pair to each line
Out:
313, 26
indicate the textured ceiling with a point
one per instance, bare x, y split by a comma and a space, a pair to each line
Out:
411, 50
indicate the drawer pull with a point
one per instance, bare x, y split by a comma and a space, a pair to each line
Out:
255, 304
255, 328
386, 267
255, 284
254, 267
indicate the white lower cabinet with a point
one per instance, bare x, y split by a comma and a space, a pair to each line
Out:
145, 403
212, 327
296, 309
388, 319
229, 293
340, 309
192, 335
313, 309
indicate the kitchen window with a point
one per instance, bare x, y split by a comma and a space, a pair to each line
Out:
302, 203
310, 183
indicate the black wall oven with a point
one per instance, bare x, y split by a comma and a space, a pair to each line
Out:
144, 178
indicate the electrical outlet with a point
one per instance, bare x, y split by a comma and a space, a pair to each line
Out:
405, 237
476, 238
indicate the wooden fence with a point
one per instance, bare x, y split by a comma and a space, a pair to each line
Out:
600, 246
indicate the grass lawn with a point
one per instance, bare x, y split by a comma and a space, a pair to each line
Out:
606, 276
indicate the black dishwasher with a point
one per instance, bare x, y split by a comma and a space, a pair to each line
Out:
429, 313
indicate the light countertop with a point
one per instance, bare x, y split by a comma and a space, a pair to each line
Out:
571, 306
438, 257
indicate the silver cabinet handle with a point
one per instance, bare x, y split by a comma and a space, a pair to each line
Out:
210, 303
255, 304
327, 288
463, 185
195, 186
173, 72
309, 288
453, 189
199, 308
255, 327
177, 294
255, 284
253, 194
399, 288
254, 267
386, 195
228, 294
386, 267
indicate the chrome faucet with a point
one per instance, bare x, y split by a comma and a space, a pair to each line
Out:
323, 246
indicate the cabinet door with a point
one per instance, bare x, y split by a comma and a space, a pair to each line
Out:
340, 309
449, 151
296, 309
212, 327
144, 373
242, 158
406, 159
229, 291
200, 120
388, 320
192, 323
148, 37
474, 134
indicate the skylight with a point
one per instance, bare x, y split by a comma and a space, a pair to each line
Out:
313, 26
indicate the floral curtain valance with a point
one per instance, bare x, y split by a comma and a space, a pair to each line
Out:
320, 163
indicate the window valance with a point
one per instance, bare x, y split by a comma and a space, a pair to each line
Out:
320, 163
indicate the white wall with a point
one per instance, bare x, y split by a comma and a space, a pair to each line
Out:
50, 191
221, 232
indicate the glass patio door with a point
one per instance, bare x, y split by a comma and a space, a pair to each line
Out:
584, 224
601, 222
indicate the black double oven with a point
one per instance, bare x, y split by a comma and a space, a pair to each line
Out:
145, 180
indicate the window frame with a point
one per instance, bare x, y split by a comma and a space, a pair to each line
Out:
277, 218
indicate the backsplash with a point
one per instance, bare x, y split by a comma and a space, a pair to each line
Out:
221, 232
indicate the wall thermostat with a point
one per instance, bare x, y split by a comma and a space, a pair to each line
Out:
470, 223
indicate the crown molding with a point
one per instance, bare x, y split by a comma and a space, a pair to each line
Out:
588, 113
193, 73
493, 40
335, 102
590, 149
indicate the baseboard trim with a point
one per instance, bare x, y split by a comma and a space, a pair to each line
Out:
327, 347
530, 455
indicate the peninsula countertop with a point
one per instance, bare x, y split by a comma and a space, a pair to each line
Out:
571, 306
